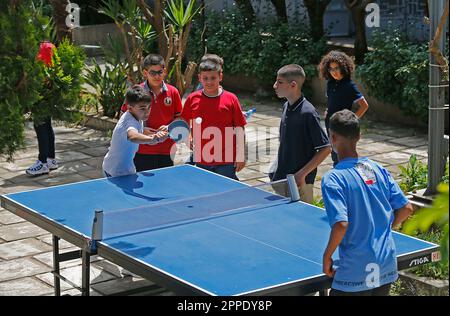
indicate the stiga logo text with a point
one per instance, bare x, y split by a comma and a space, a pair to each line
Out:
419, 261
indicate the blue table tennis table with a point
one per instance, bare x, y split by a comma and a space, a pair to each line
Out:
259, 244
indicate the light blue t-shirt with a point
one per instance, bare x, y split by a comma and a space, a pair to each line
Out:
119, 158
362, 193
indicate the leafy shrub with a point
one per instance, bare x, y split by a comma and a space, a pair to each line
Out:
396, 71
60, 93
20, 76
110, 86
432, 224
414, 175
258, 51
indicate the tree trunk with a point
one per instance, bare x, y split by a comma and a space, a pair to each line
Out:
245, 6
59, 17
316, 10
358, 11
280, 8
155, 17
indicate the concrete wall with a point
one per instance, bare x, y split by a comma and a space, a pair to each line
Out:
379, 110
94, 34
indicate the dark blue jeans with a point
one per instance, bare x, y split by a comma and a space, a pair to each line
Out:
227, 170
46, 140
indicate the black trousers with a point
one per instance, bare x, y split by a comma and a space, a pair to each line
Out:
46, 140
379, 291
149, 162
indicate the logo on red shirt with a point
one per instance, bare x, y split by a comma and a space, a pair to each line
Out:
168, 101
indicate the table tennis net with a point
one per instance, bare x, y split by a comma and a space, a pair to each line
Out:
188, 210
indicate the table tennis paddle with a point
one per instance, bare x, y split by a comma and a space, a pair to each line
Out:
178, 131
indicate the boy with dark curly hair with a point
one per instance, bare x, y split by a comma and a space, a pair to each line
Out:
337, 68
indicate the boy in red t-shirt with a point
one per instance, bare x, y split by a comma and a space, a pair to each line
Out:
165, 107
217, 122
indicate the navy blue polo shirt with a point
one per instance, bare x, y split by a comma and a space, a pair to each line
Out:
301, 136
341, 95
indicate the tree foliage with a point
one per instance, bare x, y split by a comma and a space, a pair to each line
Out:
26, 85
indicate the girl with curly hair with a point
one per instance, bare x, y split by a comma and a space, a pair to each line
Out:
337, 68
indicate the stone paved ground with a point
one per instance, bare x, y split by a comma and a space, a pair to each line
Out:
25, 250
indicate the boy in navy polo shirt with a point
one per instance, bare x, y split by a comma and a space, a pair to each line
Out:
363, 203
217, 122
303, 142
337, 68
165, 107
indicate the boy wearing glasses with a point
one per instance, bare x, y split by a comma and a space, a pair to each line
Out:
165, 107
337, 68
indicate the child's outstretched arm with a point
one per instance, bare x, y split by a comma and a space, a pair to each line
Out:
151, 139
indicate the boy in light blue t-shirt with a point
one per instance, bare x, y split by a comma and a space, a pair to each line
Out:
363, 203
129, 133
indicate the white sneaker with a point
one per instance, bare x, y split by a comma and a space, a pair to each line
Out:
52, 164
37, 169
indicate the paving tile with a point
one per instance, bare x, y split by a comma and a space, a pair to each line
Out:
270, 122
62, 179
397, 132
371, 138
96, 162
93, 174
419, 151
47, 259
127, 284
48, 239
28, 186
71, 167
392, 158
24, 287
19, 268
71, 156
22, 248
412, 141
48, 279
247, 174
73, 274
379, 148
20, 231
95, 151
75, 292
18, 165
7, 218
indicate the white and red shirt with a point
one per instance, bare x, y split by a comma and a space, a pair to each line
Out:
213, 120
165, 107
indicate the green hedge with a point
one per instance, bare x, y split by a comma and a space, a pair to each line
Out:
396, 71
258, 51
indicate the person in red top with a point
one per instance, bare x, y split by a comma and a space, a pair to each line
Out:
44, 130
165, 107
217, 123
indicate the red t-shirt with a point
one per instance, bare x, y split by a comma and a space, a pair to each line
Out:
163, 109
219, 115
46, 52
